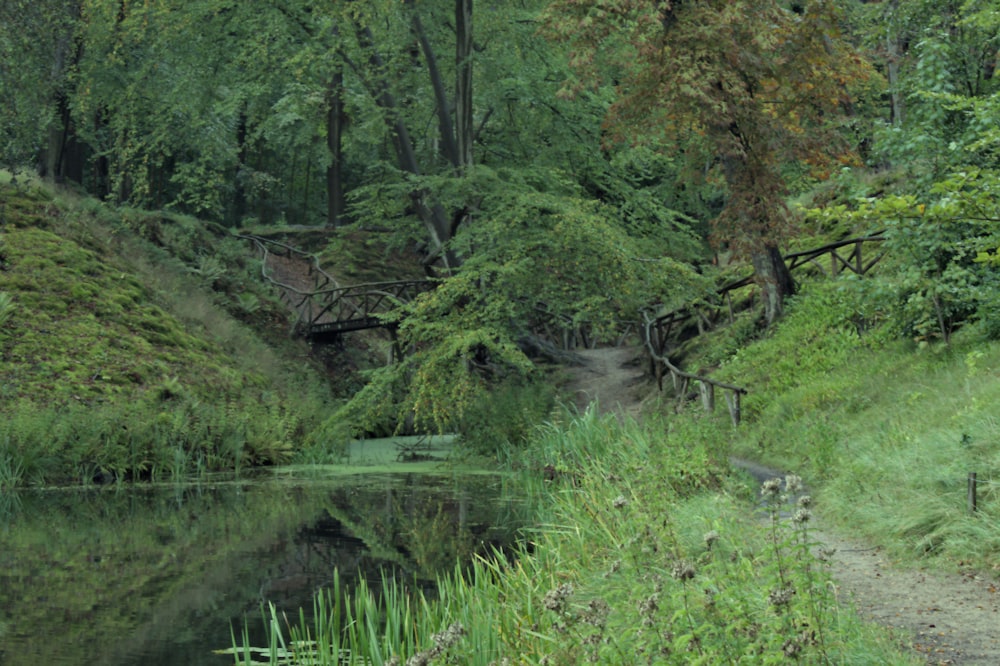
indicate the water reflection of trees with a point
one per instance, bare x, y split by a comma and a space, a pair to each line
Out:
155, 576
410, 529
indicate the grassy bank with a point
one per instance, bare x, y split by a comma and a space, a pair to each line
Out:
886, 431
138, 345
646, 551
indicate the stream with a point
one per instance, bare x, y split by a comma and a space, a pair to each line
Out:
159, 574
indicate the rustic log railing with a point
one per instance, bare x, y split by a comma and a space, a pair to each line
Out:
656, 330
325, 309
708, 316
681, 379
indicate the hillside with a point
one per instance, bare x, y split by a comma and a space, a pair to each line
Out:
139, 345
947, 615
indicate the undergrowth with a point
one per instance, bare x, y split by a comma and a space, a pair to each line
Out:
644, 553
129, 351
886, 430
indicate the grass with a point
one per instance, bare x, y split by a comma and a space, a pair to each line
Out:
126, 350
887, 431
645, 552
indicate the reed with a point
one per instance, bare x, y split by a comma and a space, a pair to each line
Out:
645, 551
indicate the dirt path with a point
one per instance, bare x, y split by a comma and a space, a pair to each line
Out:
951, 619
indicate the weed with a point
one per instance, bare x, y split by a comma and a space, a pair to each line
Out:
637, 559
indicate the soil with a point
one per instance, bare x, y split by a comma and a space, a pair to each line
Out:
947, 618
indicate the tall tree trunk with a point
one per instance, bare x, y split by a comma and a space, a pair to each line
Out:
893, 55
334, 142
63, 158
754, 209
433, 215
445, 128
239, 188
464, 131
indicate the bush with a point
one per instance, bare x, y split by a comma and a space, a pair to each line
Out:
505, 416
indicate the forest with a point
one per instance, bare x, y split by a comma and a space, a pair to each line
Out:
562, 171
586, 159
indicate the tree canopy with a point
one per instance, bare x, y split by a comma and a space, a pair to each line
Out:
575, 160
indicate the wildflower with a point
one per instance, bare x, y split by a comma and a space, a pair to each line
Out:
792, 648
649, 605
555, 600
771, 488
802, 516
781, 597
449, 636
793, 484
682, 571
647, 608
596, 613
619, 502
805, 501
710, 538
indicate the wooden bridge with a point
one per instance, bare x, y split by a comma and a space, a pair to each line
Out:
326, 309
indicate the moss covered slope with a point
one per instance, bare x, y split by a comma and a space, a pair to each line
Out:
132, 346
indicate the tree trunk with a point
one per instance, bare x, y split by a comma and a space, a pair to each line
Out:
445, 128
464, 131
63, 158
334, 142
433, 215
773, 278
239, 189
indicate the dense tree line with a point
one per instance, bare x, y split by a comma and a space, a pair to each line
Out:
585, 157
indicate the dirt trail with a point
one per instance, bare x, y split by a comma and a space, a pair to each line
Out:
951, 619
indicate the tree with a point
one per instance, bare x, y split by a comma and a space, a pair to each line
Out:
36, 56
746, 85
936, 54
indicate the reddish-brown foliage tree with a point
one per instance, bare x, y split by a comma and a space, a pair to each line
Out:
756, 83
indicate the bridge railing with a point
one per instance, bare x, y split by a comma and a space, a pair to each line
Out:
657, 329
711, 313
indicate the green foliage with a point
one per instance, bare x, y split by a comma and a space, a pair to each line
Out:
169, 437
823, 329
938, 273
644, 557
38, 38
7, 307
506, 416
535, 263
126, 365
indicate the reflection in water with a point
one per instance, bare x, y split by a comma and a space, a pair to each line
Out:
157, 575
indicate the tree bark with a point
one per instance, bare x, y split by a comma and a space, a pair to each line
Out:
445, 128
433, 215
464, 131
334, 142
773, 278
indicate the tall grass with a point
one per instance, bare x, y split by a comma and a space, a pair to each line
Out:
643, 553
886, 431
153, 439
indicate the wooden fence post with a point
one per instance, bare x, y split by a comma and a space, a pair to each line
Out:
733, 402
707, 396
971, 493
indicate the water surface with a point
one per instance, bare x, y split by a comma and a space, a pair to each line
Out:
158, 574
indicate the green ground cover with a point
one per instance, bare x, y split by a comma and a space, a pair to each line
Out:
128, 353
645, 551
